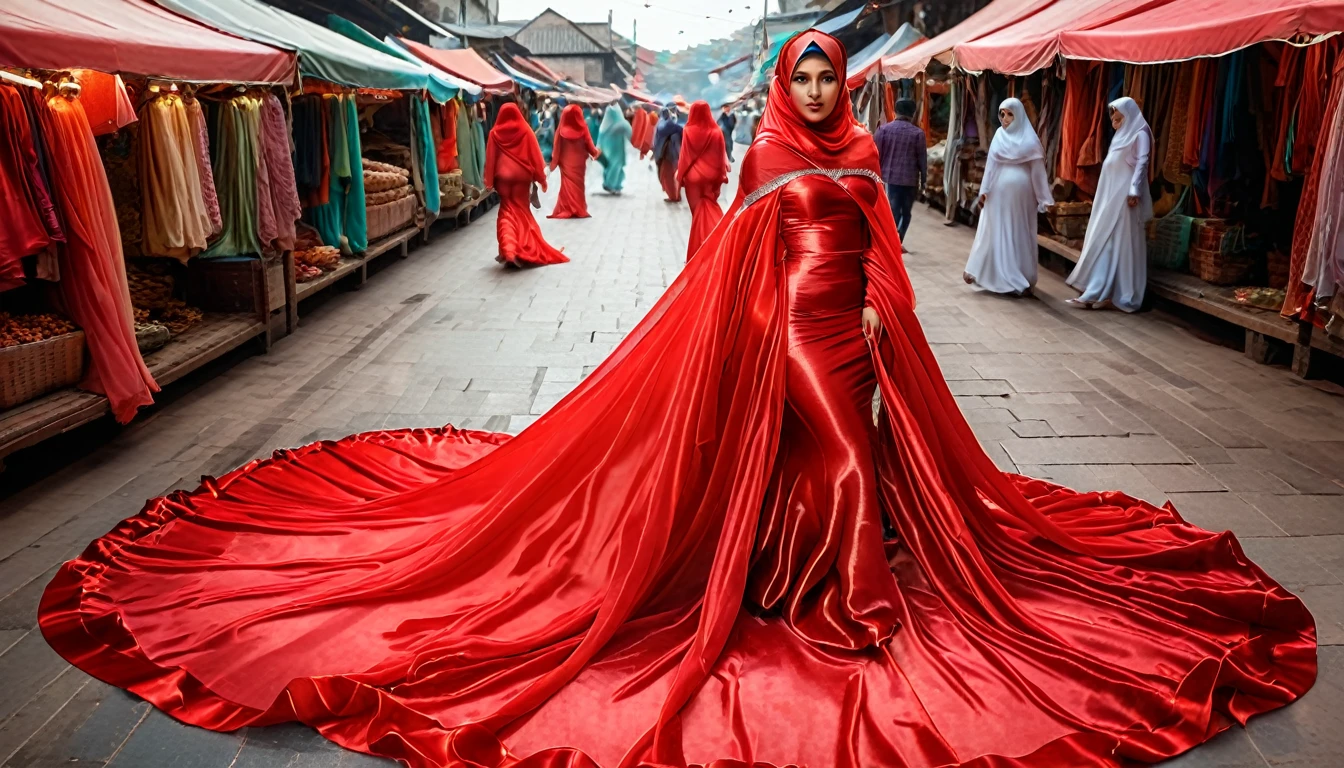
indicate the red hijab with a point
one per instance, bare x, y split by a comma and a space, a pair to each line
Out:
572, 125
513, 137
702, 142
839, 141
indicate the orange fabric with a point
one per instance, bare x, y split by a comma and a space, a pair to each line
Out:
105, 101
650, 128
1080, 130
1288, 85
22, 231
1298, 298
447, 151
1311, 106
93, 272
1200, 93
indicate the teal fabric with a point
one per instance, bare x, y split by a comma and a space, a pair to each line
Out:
442, 87
343, 221
612, 139
466, 149
425, 157
323, 54
478, 133
594, 122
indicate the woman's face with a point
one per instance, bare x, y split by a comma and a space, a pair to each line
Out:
814, 88
1006, 117
1117, 118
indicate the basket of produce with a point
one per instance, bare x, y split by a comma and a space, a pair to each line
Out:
389, 196
1260, 298
1218, 268
387, 218
151, 336
38, 354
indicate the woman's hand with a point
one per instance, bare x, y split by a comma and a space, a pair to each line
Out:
872, 324
982, 201
1133, 201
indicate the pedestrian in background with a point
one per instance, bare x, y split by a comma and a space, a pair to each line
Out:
1014, 189
904, 156
666, 153
728, 124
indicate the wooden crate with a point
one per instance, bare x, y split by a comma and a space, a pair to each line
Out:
29, 371
1219, 268
275, 284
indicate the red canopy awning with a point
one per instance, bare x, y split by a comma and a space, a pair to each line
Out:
132, 37
1031, 44
462, 62
991, 18
1188, 29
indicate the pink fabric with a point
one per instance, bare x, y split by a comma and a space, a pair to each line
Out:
281, 194
202, 140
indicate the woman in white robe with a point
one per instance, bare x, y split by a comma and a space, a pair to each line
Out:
1014, 189
1113, 270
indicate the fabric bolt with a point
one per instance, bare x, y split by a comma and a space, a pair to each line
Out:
237, 162
93, 270
281, 186
1114, 263
702, 170
343, 221
311, 155
513, 163
666, 154
200, 135
39, 183
684, 561
173, 209
573, 147
1004, 254
903, 150
268, 220
22, 228
611, 139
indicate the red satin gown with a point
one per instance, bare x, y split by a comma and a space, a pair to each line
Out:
683, 562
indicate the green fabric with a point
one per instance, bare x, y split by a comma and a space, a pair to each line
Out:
323, 54
237, 146
612, 139
442, 88
593, 124
466, 149
343, 221
478, 131
426, 166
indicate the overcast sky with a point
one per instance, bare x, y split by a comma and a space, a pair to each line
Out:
668, 25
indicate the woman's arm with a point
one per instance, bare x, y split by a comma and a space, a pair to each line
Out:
1041, 185
1143, 145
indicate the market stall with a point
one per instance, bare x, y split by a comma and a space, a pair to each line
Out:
1240, 99
106, 284
346, 86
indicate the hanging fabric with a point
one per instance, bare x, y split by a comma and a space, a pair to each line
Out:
280, 189
466, 148
201, 144
425, 171
447, 147
173, 210
22, 231
342, 221
236, 161
106, 101
93, 270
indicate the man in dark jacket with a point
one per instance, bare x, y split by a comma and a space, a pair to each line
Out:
727, 124
904, 155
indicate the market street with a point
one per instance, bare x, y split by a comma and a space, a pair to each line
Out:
1093, 400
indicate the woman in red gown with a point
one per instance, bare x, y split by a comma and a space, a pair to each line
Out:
573, 147
684, 561
702, 171
513, 164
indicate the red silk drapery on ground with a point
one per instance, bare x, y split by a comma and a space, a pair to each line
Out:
574, 596
513, 164
702, 170
573, 147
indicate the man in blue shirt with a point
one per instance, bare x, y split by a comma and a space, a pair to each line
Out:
904, 155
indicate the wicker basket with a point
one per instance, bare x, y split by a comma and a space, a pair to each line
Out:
1069, 219
390, 217
1219, 268
30, 371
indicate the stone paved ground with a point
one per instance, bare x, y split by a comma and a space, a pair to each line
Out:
1093, 400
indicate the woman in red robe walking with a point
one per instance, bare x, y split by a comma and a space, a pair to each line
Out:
513, 165
638, 127
713, 551
702, 172
573, 147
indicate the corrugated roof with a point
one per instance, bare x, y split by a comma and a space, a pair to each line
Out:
549, 38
